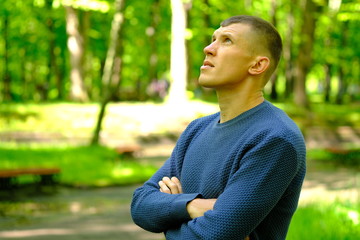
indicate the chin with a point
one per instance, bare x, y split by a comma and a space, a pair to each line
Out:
204, 82
206, 85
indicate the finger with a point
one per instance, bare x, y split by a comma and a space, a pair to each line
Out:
164, 188
171, 185
178, 183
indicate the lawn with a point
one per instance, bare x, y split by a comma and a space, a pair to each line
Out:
324, 221
80, 166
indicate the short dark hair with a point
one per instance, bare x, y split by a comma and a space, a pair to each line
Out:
263, 29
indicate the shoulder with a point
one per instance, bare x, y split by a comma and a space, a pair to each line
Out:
201, 123
277, 121
271, 123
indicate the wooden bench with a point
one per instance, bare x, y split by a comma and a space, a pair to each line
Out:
46, 175
128, 150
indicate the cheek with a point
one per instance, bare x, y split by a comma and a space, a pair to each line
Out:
234, 70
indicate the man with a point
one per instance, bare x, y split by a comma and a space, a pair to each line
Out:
236, 174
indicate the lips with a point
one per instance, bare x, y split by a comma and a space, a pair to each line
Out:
207, 64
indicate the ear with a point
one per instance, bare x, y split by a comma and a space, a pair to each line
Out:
261, 64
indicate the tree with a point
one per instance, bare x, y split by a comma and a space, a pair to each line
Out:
304, 59
178, 63
36, 63
113, 66
151, 32
274, 93
7, 78
76, 50
288, 49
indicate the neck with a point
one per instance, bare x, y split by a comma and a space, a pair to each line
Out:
233, 102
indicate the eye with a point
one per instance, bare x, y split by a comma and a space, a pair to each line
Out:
227, 40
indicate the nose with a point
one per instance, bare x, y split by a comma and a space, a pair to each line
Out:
210, 49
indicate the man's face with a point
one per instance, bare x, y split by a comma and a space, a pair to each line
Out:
228, 57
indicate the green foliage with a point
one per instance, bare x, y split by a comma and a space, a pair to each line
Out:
36, 25
80, 166
326, 222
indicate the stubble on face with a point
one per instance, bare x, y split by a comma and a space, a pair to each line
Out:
228, 57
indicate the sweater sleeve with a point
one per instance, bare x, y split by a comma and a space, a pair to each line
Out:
156, 211
263, 177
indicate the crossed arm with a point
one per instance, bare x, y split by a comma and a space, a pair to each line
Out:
197, 207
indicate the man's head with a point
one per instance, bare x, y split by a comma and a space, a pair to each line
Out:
243, 47
265, 34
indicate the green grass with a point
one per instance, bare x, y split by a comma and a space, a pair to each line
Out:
336, 158
67, 119
80, 166
336, 221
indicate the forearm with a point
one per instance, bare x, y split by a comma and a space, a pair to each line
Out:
157, 212
198, 207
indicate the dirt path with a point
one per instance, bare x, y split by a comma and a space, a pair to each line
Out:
75, 214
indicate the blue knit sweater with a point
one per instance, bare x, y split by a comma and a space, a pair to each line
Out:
253, 164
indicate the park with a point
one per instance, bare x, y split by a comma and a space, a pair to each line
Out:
94, 95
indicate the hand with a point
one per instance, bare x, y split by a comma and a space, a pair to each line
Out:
198, 207
170, 186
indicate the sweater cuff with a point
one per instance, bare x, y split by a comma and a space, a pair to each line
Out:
178, 210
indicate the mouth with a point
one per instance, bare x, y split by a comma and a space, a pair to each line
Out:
207, 64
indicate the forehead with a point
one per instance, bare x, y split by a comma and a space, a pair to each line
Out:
236, 30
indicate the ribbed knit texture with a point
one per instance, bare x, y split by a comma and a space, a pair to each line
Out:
253, 164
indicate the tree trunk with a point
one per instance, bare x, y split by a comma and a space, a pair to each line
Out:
288, 56
273, 80
327, 84
7, 78
207, 22
61, 74
178, 63
189, 63
76, 50
113, 66
341, 87
153, 57
25, 94
87, 63
51, 58
344, 65
304, 59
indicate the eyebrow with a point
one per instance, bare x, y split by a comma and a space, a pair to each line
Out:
222, 34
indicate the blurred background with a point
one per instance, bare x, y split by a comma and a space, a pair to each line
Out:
95, 93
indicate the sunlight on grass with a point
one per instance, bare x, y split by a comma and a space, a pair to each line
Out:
73, 122
328, 221
80, 166
119, 172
